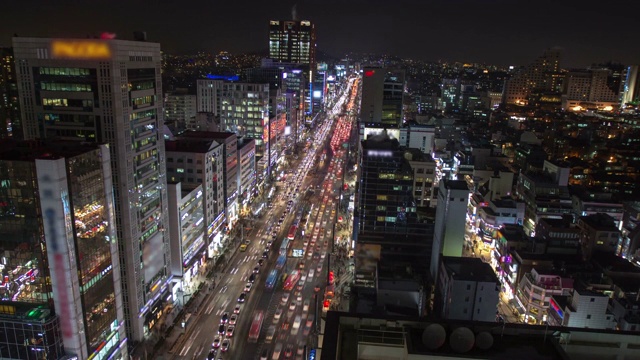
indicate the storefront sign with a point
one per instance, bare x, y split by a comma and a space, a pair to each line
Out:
80, 49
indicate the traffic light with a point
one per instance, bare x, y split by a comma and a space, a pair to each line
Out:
325, 303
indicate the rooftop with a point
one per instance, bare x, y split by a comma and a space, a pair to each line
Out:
469, 269
185, 144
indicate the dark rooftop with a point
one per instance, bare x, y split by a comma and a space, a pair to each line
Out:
456, 185
183, 144
469, 269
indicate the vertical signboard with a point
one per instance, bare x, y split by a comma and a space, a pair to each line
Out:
58, 230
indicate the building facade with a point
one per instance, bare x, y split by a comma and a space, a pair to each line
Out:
60, 252
293, 41
110, 91
542, 74
10, 121
466, 289
453, 196
195, 162
382, 96
188, 240
247, 179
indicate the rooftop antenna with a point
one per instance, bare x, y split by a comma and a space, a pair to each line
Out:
294, 12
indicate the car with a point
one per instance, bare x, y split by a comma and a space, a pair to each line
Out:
226, 343
299, 299
233, 319
269, 243
236, 310
305, 306
242, 297
243, 247
264, 355
276, 351
300, 350
309, 321
230, 330
247, 287
285, 326
271, 331
285, 298
212, 354
265, 254
256, 269
300, 285
292, 306
225, 318
216, 342
311, 273
277, 315
323, 255
319, 268
297, 322
288, 351
252, 277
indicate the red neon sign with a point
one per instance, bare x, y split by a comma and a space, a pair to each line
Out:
369, 73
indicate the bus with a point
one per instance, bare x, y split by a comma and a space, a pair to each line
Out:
271, 279
292, 232
284, 247
292, 280
256, 325
282, 260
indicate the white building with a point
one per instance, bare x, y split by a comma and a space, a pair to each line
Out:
194, 162
110, 91
424, 178
418, 137
466, 289
582, 309
448, 238
208, 96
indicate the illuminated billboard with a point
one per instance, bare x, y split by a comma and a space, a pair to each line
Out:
80, 49
377, 131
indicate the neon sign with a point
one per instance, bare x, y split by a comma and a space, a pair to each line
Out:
80, 49
555, 307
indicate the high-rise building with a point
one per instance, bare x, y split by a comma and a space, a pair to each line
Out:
208, 96
591, 88
60, 253
293, 41
541, 75
631, 86
10, 123
448, 240
247, 179
110, 91
179, 109
382, 96
244, 110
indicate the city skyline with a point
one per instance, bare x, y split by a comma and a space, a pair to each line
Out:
462, 30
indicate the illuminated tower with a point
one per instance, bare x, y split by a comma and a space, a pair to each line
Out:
293, 41
110, 91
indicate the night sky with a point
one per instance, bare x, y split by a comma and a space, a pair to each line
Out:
498, 32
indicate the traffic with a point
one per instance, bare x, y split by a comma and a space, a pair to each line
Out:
271, 316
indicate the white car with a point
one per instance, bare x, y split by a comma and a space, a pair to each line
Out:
277, 315
247, 287
305, 306
311, 273
285, 298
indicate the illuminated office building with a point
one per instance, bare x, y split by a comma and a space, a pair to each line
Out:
10, 124
382, 96
110, 91
60, 253
293, 41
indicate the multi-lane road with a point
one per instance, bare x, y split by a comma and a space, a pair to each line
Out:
293, 317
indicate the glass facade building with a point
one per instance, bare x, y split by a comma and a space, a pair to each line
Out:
58, 239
